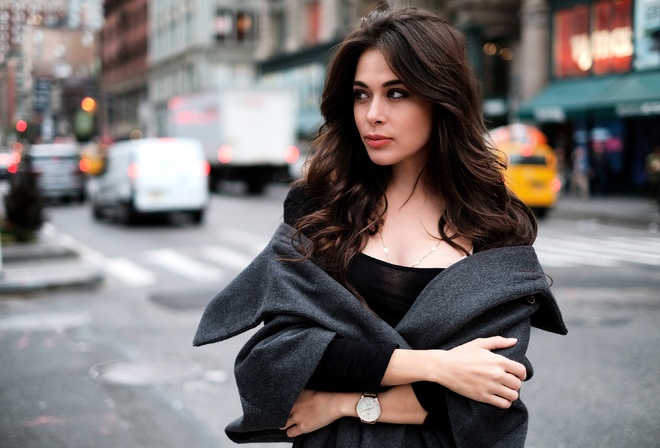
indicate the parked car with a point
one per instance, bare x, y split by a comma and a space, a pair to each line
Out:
532, 174
57, 169
152, 176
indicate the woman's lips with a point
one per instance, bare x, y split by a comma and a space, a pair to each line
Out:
377, 141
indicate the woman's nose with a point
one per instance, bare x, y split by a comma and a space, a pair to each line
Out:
376, 112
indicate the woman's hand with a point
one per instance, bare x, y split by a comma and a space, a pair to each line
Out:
315, 409
471, 370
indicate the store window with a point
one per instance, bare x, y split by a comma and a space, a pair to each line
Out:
234, 25
244, 26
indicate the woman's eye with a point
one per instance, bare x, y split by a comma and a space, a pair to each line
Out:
397, 94
359, 94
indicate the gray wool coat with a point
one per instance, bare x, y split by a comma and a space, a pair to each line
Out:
494, 292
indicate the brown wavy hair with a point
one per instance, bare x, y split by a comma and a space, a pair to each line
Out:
429, 56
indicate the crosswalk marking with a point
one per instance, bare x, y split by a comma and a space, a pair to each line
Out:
255, 243
566, 250
651, 245
226, 257
626, 252
183, 265
129, 272
590, 255
556, 255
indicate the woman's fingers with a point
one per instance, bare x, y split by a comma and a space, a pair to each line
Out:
498, 342
495, 342
517, 369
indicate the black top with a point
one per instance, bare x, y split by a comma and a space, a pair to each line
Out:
389, 290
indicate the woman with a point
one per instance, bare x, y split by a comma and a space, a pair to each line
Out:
402, 266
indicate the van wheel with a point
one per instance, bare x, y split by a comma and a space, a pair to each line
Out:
256, 186
197, 216
127, 214
97, 212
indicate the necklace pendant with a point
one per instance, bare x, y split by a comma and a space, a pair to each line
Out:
416, 263
386, 250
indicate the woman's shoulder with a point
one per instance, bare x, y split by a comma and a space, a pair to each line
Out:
298, 203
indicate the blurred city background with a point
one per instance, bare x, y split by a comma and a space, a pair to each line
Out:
146, 148
587, 73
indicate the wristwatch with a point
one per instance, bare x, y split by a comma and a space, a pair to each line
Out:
368, 408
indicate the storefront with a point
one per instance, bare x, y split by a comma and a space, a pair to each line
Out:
605, 88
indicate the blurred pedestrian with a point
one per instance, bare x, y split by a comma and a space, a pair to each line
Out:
398, 294
652, 165
563, 169
580, 173
600, 169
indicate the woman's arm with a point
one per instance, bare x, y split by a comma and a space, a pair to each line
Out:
471, 370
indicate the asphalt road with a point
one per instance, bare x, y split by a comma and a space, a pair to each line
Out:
114, 366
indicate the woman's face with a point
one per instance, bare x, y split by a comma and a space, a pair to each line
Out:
394, 124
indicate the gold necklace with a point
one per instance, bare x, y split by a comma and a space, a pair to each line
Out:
386, 251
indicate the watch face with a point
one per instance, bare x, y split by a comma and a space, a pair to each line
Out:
368, 409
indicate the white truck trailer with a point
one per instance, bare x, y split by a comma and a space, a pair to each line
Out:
247, 134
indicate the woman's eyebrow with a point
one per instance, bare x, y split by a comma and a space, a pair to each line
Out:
393, 82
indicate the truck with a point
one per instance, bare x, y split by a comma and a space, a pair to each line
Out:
248, 134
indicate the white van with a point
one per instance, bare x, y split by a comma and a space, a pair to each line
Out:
152, 176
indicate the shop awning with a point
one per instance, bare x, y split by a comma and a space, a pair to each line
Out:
566, 98
632, 95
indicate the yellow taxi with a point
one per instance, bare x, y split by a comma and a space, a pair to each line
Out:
532, 174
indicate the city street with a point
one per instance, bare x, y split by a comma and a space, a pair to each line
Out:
114, 366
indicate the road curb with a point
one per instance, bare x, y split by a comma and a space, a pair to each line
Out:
32, 251
92, 278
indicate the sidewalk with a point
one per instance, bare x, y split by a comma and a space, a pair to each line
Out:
50, 263
45, 264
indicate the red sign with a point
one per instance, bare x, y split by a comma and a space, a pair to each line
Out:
593, 40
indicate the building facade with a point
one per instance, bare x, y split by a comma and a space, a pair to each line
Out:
124, 69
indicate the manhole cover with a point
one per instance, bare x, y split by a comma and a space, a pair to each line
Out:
44, 321
146, 371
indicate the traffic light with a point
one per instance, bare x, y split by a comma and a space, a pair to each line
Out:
88, 104
21, 126
84, 120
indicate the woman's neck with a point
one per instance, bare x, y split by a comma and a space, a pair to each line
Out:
411, 192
